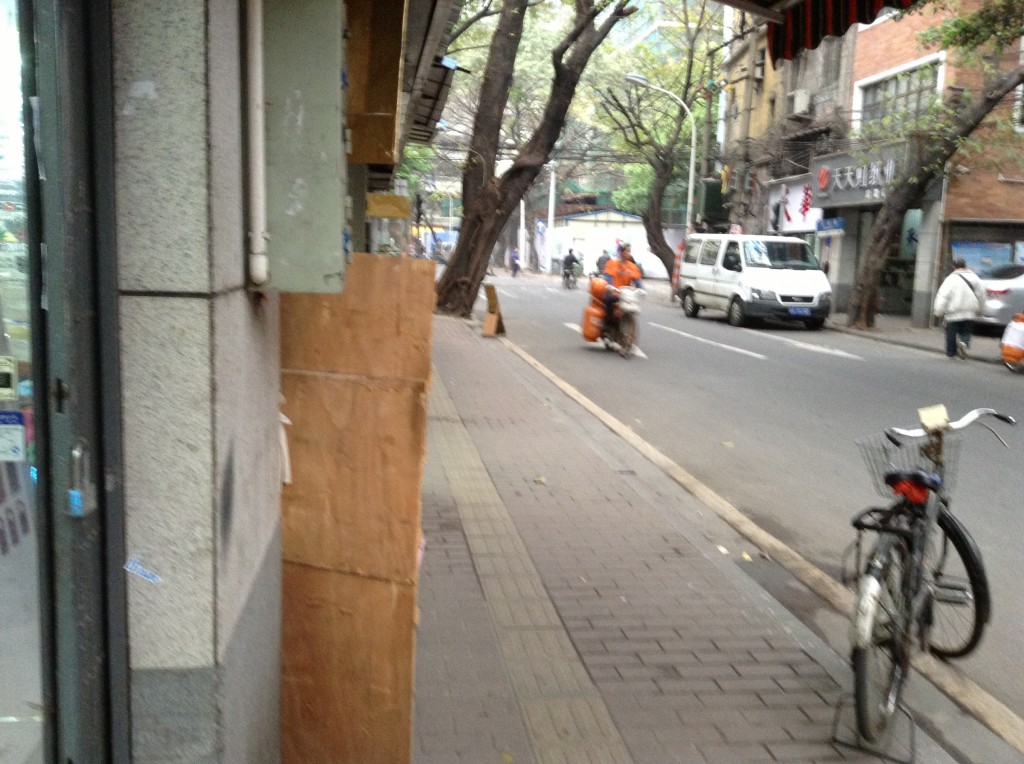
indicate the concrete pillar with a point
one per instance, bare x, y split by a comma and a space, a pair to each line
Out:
929, 261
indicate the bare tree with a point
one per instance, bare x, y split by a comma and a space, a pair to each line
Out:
657, 128
488, 200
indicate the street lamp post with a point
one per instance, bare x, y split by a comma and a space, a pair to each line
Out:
640, 79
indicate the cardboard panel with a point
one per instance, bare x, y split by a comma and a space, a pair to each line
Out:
357, 451
379, 327
346, 668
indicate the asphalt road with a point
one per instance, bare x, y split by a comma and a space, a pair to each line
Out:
768, 417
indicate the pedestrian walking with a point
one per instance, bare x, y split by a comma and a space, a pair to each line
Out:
957, 303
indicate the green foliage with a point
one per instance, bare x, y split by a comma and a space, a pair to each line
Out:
998, 24
417, 161
632, 197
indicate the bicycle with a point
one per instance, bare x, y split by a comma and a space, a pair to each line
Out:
918, 588
571, 275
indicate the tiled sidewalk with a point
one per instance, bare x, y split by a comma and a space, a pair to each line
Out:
569, 612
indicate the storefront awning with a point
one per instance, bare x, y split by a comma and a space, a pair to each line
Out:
796, 25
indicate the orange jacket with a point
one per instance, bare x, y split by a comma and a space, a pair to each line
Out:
623, 272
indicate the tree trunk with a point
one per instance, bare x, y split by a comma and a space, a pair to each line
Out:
489, 201
924, 166
652, 218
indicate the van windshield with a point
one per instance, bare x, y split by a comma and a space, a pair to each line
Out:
779, 254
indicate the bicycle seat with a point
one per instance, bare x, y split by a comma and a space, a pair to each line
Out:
929, 480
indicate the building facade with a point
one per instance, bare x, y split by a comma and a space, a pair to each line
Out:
167, 170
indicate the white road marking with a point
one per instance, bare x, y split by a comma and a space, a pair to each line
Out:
806, 345
741, 351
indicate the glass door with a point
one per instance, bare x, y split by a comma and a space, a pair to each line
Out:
62, 697
23, 701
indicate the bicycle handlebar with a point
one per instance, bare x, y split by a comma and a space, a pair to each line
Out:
967, 419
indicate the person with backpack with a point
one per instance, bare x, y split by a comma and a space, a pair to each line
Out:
957, 303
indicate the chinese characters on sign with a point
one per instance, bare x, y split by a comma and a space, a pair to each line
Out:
849, 180
873, 177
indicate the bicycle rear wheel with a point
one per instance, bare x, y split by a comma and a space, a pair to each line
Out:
961, 604
880, 656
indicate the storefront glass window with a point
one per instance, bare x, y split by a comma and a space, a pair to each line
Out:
21, 701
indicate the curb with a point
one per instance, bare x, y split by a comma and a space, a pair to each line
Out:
891, 340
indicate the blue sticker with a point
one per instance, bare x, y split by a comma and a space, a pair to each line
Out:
135, 567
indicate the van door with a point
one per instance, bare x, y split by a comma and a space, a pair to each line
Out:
728, 273
707, 266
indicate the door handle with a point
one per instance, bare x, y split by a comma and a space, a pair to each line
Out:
82, 493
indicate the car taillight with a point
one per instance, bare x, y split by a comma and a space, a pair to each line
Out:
996, 292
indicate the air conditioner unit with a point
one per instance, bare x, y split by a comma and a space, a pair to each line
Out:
801, 100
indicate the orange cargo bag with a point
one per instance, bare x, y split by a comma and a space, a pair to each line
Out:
593, 320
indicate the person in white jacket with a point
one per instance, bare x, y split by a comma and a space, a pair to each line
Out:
958, 302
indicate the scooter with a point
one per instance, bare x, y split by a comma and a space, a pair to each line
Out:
620, 333
1011, 345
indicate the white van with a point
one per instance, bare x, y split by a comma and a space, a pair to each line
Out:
751, 277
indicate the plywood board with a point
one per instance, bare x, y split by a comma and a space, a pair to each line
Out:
346, 668
357, 453
380, 326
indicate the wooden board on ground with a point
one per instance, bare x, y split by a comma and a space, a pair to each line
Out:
493, 325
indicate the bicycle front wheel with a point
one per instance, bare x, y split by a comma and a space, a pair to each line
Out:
880, 656
961, 603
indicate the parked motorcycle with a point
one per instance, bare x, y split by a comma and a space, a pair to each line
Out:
621, 332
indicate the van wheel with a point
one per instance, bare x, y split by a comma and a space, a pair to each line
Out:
737, 313
690, 306
814, 323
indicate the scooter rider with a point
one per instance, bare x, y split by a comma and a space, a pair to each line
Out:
620, 272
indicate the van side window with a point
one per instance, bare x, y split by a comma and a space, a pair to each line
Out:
709, 252
691, 251
731, 258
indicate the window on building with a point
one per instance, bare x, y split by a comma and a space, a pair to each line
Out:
904, 95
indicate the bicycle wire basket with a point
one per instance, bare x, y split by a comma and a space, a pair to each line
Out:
881, 456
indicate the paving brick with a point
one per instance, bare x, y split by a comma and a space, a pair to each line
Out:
570, 619
740, 752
